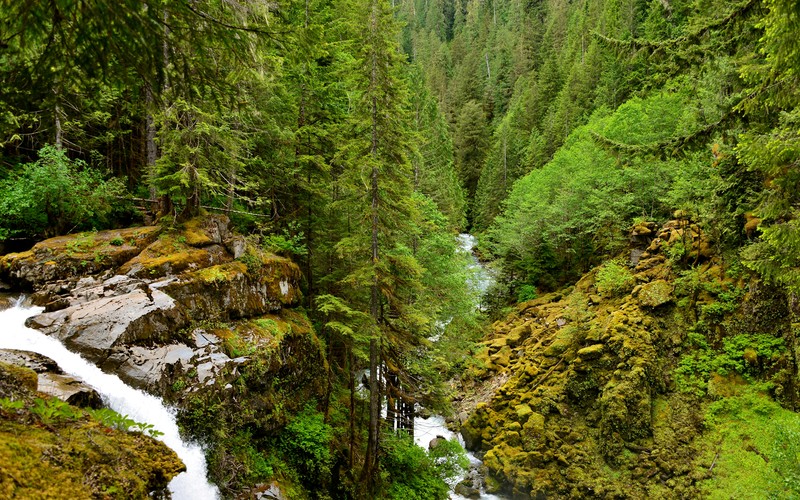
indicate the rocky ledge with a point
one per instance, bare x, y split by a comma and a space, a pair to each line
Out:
141, 302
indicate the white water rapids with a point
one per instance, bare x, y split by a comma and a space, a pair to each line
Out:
138, 405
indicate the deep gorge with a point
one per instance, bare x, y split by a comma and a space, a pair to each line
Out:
253, 210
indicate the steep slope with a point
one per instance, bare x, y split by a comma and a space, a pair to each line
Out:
654, 377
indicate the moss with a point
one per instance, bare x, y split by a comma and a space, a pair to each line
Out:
655, 293
285, 370
49, 449
220, 273
14, 379
81, 460
594, 381
76, 255
194, 234
171, 254
752, 449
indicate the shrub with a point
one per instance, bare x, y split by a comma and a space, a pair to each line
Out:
54, 195
305, 442
614, 278
414, 474
526, 292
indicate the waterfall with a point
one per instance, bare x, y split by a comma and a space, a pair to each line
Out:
138, 405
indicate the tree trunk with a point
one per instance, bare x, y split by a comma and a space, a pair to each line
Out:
371, 461
151, 150
59, 131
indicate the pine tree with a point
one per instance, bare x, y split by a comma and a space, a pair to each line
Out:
376, 191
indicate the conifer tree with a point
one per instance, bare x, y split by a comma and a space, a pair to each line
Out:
376, 191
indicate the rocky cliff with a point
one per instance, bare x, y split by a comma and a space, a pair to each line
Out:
193, 313
656, 376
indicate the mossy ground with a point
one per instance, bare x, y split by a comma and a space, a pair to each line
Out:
751, 447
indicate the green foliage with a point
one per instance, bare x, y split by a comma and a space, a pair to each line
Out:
306, 444
52, 410
199, 151
257, 465
110, 418
55, 195
526, 292
9, 405
290, 243
614, 278
744, 354
414, 474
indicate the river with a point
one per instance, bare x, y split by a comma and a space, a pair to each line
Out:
426, 429
138, 405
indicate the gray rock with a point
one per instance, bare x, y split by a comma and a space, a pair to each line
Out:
70, 389
237, 246
52, 380
150, 368
29, 359
467, 489
95, 327
435, 442
203, 339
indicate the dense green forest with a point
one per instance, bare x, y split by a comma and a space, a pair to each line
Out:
357, 137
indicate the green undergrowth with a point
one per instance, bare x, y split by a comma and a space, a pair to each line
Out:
743, 354
419, 475
752, 447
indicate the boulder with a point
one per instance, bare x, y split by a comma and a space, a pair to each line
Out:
171, 255
655, 293
70, 389
93, 328
51, 380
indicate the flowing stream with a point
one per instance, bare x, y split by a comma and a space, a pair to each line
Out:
427, 429
138, 405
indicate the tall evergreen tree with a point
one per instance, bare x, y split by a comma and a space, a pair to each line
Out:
376, 185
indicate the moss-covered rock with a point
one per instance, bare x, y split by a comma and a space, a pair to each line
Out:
75, 255
596, 402
65, 453
655, 293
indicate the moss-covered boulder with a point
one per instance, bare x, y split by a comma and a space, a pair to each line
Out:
655, 293
49, 449
75, 255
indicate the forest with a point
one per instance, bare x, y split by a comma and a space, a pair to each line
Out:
359, 137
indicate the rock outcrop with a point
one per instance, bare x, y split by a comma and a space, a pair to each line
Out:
585, 398
195, 314
133, 300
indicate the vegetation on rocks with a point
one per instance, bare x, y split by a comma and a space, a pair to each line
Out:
51, 449
636, 393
